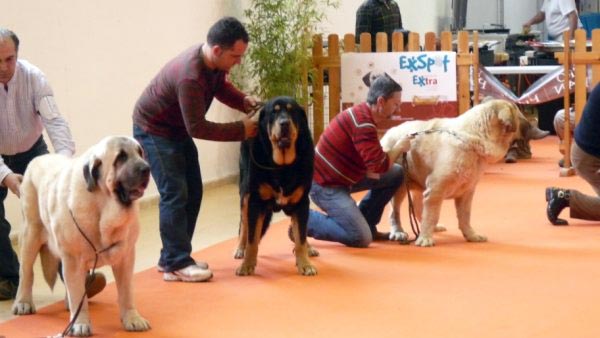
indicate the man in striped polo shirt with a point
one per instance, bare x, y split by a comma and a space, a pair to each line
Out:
349, 158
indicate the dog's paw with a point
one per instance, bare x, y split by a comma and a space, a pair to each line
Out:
312, 252
424, 241
307, 270
132, 321
398, 236
475, 238
239, 253
23, 308
81, 330
245, 270
439, 228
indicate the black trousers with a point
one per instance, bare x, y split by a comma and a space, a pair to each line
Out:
9, 264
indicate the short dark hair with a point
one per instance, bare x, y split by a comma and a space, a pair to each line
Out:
384, 86
226, 32
7, 33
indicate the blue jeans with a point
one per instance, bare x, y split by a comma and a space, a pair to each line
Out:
9, 265
175, 169
343, 220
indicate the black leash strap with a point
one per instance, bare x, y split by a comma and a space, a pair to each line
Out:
251, 151
89, 282
414, 222
412, 216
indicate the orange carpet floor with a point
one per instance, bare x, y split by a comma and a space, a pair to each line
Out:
530, 280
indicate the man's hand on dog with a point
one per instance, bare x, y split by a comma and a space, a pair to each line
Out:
250, 126
251, 107
13, 182
401, 146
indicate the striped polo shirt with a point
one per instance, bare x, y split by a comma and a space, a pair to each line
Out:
348, 148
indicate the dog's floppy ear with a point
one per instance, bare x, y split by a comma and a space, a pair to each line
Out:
367, 79
91, 173
508, 114
263, 115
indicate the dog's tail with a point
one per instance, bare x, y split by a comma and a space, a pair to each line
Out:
49, 265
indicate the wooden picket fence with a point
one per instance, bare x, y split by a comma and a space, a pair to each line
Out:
329, 59
580, 58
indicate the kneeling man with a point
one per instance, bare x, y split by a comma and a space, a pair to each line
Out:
349, 158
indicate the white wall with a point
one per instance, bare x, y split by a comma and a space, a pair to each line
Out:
100, 55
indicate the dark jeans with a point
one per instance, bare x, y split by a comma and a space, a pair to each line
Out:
343, 220
175, 169
9, 265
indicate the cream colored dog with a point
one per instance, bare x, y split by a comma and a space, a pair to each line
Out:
67, 202
446, 160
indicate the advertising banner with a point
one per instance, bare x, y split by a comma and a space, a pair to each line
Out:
428, 81
547, 88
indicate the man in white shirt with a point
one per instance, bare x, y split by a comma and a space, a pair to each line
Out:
27, 107
560, 16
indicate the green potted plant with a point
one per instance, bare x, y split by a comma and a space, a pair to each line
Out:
279, 55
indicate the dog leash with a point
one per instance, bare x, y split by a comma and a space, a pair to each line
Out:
450, 132
264, 167
89, 282
431, 131
412, 216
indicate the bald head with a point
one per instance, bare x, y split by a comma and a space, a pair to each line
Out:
7, 34
9, 45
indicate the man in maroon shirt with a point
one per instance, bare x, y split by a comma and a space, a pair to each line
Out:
169, 114
349, 158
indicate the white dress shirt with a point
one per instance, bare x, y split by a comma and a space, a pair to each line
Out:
21, 123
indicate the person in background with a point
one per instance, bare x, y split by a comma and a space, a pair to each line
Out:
559, 15
169, 114
559, 128
349, 158
374, 16
559, 122
27, 107
585, 156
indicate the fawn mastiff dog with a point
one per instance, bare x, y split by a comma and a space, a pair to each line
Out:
74, 208
446, 160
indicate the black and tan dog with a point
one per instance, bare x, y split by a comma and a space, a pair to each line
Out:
276, 169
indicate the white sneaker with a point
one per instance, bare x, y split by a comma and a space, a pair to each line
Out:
200, 264
191, 273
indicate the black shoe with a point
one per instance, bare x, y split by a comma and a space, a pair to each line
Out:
94, 283
552, 192
558, 199
511, 156
8, 289
536, 133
